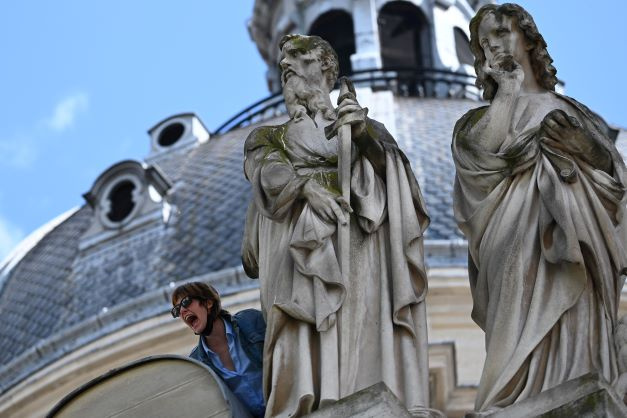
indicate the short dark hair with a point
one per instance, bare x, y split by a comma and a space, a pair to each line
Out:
326, 53
539, 57
198, 290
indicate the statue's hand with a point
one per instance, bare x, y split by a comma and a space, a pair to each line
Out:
564, 132
297, 113
507, 73
331, 208
350, 112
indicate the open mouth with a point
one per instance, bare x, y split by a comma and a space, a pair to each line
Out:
191, 320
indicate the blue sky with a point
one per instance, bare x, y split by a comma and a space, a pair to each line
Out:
82, 81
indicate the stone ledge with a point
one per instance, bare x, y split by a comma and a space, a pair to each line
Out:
586, 396
376, 401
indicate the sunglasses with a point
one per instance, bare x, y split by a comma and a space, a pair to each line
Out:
185, 302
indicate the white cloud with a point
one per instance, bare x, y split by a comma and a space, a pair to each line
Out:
10, 236
22, 150
66, 111
18, 152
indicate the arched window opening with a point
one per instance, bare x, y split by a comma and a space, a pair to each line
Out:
121, 199
404, 36
462, 47
336, 27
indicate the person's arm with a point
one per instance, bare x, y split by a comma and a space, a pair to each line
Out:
493, 127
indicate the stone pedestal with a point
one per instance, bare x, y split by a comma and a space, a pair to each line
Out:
587, 396
376, 401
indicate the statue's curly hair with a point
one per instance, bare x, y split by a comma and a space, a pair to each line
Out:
539, 57
326, 53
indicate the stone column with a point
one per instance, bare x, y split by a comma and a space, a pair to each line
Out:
368, 49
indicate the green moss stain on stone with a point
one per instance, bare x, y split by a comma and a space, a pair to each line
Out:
274, 142
328, 180
303, 43
591, 405
476, 116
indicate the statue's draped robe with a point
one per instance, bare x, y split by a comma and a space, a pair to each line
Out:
325, 338
546, 254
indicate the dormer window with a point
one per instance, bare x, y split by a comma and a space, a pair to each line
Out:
177, 133
119, 194
119, 200
125, 196
170, 134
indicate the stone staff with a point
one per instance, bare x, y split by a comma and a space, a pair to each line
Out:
347, 90
342, 127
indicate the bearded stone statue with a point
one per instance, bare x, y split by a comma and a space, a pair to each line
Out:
329, 336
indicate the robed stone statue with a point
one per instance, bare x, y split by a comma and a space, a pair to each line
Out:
330, 335
540, 196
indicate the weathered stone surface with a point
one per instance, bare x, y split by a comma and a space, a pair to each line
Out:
586, 396
375, 401
539, 193
155, 386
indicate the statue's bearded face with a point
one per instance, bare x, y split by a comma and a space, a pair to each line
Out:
306, 78
303, 80
296, 61
501, 40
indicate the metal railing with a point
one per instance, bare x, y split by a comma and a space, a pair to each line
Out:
409, 82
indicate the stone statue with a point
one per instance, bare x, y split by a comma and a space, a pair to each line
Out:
540, 196
329, 336
621, 345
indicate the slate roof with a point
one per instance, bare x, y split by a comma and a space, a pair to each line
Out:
32, 301
424, 132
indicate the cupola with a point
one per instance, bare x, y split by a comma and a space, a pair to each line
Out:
421, 36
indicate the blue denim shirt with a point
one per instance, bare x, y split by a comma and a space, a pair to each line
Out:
245, 380
245, 332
